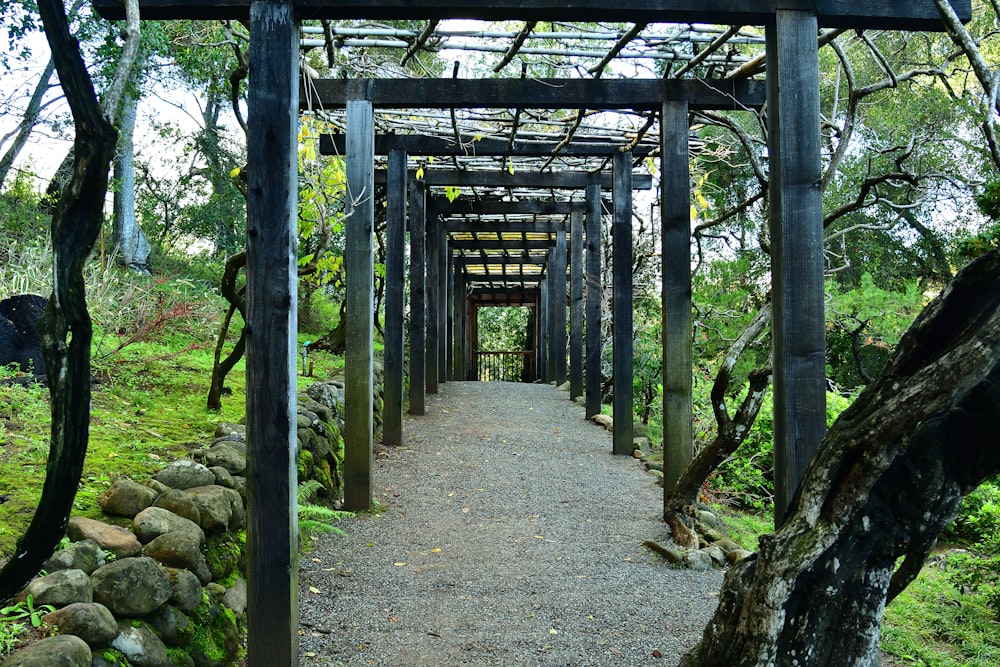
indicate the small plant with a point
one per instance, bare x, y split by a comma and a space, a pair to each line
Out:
10, 637
26, 609
316, 518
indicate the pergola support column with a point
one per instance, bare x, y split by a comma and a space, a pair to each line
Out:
576, 306
622, 316
796, 216
433, 286
359, 262
459, 307
593, 306
543, 327
675, 212
558, 277
272, 304
418, 297
444, 279
395, 214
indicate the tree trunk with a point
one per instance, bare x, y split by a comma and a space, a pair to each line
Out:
131, 246
66, 326
889, 476
28, 122
237, 301
680, 511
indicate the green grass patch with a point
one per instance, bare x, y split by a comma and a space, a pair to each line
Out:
934, 625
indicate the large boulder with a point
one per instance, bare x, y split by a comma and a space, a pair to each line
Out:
180, 549
155, 521
90, 621
59, 651
84, 555
131, 586
126, 498
113, 539
140, 645
61, 588
20, 340
185, 589
185, 474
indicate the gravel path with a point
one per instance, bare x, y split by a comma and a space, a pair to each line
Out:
510, 536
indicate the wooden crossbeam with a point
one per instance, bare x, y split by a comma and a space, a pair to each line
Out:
505, 244
887, 14
638, 94
559, 180
473, 260
414, 144
445, 208
528, 227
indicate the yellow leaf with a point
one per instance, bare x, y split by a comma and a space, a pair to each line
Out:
234, 173
553, 631
694, 212
435, 550
313, 589
420, 173
510, 167
401, 563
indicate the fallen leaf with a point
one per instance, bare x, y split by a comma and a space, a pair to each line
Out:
553, 631
401, 563
435, 550
313, 589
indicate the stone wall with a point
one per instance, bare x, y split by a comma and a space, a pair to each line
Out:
166, 588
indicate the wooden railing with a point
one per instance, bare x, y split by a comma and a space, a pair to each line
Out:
505, 366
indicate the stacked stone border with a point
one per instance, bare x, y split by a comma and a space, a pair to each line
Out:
168, 589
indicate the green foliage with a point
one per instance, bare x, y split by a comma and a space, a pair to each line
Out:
315, 519
11, 635
21, 221
978, 526
25, 610
505, 328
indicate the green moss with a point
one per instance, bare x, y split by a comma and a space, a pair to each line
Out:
304, 464
115, 657
223, 553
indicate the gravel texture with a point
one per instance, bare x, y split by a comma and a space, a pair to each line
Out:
510, 536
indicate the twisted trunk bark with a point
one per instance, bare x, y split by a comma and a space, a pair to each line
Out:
889, 476
66, 326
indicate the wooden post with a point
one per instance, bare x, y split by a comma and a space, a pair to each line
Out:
359, 262
559, 307
675, 217
433, 312
552, 305
576, 306
450, 312
458, 315
796, 213
543, 327
593, 306
395, 215
444, 280
622, 315
418, 296
271, 327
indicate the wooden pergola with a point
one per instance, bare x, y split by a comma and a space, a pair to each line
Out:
792, 96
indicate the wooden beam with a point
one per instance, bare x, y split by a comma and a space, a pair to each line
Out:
506, 294
886, 14
595, 288
557, 271
560, 180
675, 220
395, 239
459, 307
576, 306
418, 298
466, 207
543, 329
796, 215
597, 94
415, 144
272, 288
622, 313
496, 244
473, 260
360, 263
444, 294
504, 227
433, 312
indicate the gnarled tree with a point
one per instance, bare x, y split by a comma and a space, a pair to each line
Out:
889, 476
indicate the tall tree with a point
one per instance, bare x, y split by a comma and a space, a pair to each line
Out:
131, 246
66, 326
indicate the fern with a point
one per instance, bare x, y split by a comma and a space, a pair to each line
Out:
314, 519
